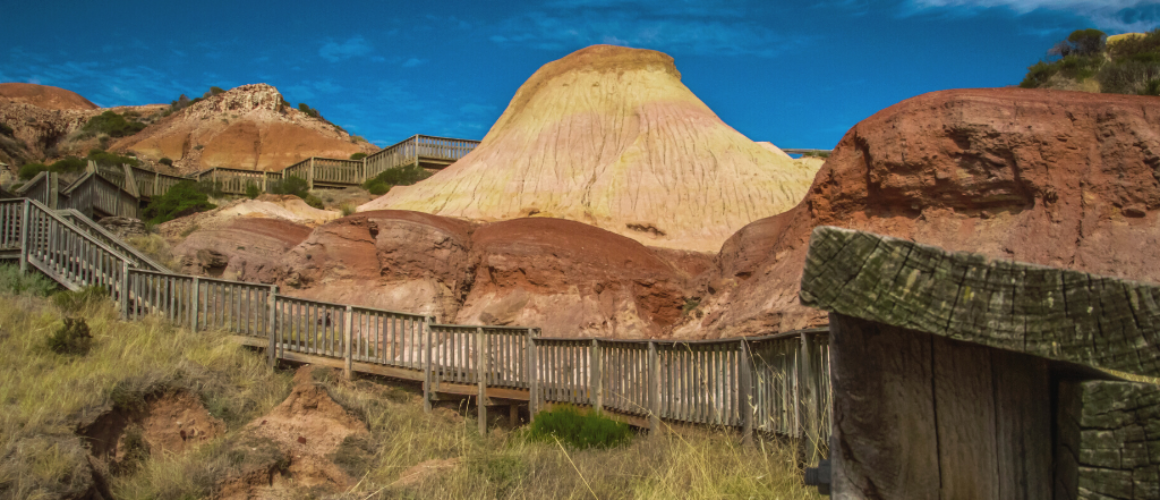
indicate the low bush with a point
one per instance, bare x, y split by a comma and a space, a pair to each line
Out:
406, 175
311, 112
1128, 77
165, 161
579, 430
31, 283
69, 164
294, 185
253, 191
816, 154
72, 338
358, 156
102, 157
211, 187
216, 91
347, 209
113, 124
314, 201
29, 170
69, 301
182, 199
6, 130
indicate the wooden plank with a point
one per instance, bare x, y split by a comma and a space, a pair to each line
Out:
965, 419
885, 440
1022, 386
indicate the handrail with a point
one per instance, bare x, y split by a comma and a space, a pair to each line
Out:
148, 263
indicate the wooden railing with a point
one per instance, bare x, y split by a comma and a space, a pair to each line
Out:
777, 384
415, 149
95, 231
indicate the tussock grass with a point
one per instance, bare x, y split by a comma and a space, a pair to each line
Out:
155, 247
689, 463
45, 398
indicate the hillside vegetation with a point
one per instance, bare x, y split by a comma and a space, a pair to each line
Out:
59, 405
1087, 60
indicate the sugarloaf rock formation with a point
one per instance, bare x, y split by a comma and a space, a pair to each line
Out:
1063, 179
247, 127
44, 96
609, 136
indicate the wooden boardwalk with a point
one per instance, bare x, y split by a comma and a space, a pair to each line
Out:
776, 384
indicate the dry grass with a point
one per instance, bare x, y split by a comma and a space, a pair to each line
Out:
155, 247
45, 397
697, 463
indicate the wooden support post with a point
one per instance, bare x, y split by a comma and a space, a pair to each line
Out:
310, 174
533, 373
513, 415
26, 233
125, 303
193, 303
654, 399
53, 190
809, 426
745, 392
596, 379
481, 379
427, 375
347, 336
272, 310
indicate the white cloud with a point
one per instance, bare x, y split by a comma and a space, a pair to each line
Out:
355, 46
1109, 15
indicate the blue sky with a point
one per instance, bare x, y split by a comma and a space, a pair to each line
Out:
798, 74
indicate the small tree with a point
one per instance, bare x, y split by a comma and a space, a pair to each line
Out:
165, 161
358, 156
69, 164
182, 199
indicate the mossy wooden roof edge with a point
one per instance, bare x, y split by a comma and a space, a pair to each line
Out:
1059, 314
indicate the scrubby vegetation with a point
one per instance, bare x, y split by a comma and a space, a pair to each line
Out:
358, 156
112, 124
1128, 66
30, 169
52, 395
406, 175
12, 281
165, 161
182, 199
253, 191
6, 130
296, 186
311, 112
102, 157
70, 164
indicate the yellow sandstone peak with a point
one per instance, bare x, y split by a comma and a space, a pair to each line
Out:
609, 136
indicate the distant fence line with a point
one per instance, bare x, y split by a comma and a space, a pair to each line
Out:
121, 190
771, 384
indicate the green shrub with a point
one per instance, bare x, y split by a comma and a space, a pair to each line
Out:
399, 176
579, 430
216, 91
77, 300
313, 201
816, 154
69, 164
165, 161
6, 130
112, 124
253, 191
72, 338
182, 199
357, 139
313, 113
102, 157
294, 185
29, 170
1127, 77
347, 209
211, 188
1144, 48
30, 283
358, 156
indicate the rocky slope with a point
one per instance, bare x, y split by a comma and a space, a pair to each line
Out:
568, 278
246, 127
44, 97
609, 136
40, 117
1064, 179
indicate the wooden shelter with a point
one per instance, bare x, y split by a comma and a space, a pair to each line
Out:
956, 376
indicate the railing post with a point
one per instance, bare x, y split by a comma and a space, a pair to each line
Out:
272, 310
125, 289
596, 377
194, 313
745, 392
654, 399
533, 373
481, 379
25, 234
427, 375
347, 336
807, 423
